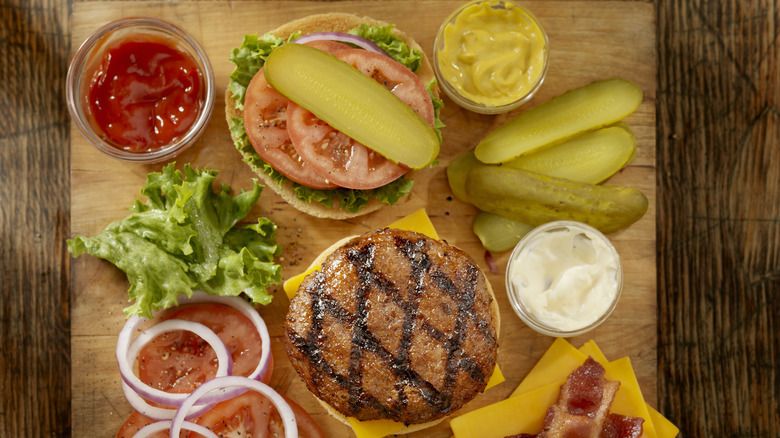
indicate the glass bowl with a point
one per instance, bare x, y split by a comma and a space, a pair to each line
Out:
90, 55
479, 56
564, 278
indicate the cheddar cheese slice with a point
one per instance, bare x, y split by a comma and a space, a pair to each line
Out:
555, 364
663, 427
524, 413
628, 399
543, 383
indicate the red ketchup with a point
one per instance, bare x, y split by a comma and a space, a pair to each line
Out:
144, 94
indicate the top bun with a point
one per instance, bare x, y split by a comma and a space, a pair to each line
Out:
331, 22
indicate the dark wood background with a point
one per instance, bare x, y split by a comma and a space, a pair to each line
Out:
718, 160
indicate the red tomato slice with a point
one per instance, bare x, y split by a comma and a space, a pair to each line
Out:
180, 361
252, 414
136, 422
265, 122
341, 159
248, 415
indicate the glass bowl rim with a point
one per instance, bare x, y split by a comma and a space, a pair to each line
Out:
152, 25
470, 104
517, 304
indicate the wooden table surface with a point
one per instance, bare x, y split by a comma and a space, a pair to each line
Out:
717, 203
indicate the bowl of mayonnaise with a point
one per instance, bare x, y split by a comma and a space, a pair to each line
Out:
491, 56
564, 278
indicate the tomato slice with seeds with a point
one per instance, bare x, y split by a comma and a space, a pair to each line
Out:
179, 361
248, 415
341, 159
265, 122
253, 415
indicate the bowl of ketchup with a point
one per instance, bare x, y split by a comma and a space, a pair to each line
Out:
140, 89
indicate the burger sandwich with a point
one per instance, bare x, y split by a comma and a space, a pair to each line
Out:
394, 325
334, 112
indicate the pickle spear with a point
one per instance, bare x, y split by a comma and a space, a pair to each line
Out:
457, 171
498, 233
591, 157
536, 199
352, 103
582, 109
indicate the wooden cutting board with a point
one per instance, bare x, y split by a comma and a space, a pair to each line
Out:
590, 40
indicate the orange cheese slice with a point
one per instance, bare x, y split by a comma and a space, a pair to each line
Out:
543, 383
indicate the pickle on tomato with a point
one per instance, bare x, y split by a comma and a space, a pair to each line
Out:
579, 110
352, 103
536, 199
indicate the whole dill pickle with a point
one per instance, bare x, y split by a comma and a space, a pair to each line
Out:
536, 199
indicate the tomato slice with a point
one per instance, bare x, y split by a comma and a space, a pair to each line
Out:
337, 157
248, 415
135, 422
179, 361
265, 122
253, 414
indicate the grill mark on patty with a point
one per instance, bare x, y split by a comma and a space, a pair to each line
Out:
420, 263
362, 259
362, 339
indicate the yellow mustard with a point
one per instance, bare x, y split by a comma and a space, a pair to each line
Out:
493, 53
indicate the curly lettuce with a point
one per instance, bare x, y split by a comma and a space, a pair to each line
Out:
185, 237
250, 57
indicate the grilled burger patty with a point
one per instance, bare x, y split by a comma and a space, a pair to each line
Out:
395, 325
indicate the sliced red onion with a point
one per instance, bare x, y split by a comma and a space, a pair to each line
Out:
199, 297
221, 385
126, 356
151, 429
342, 38
159, 413
137, 392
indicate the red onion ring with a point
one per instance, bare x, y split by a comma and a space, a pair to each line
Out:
157, 413
221, 385
342, 38
136, 392
126, 356
160, 426
247, 310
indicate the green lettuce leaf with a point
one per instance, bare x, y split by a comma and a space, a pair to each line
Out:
383, 37
250, 57
186, 237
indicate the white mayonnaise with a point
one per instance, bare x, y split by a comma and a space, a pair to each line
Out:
564, 276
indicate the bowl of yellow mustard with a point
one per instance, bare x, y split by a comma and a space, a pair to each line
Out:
491, 56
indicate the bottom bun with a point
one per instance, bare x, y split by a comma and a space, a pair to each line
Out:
411, 428
329, 22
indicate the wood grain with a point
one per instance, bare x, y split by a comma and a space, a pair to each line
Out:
719, 221
579, 32
34, 220
718, 237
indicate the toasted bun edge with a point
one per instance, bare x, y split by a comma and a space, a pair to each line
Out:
328, 22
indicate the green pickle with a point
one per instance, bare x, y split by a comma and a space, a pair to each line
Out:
535, 199
457, 171
576, 111
364, 109
590, 158
498, 233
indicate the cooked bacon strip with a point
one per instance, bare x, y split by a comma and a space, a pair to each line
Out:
620, 426
582, 410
